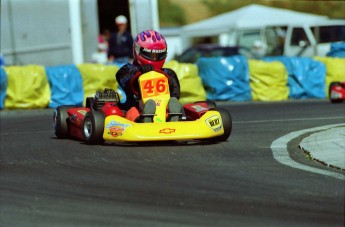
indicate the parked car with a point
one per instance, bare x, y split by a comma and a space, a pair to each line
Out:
305, 39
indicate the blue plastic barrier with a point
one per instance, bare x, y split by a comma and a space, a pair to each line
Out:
2, 60
337, 50
225, 78
306, 76
66, 85
3, 87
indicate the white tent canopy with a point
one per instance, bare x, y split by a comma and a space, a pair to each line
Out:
252, 16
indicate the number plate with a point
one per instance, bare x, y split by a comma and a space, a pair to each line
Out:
154, 87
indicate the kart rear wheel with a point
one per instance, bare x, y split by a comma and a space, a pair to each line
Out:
93, 127
60, 118
90, 102
227, 124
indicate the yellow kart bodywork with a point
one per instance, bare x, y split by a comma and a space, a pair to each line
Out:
155, 86
118, 129
200, 121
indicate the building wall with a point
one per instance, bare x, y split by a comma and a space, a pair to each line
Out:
38, 31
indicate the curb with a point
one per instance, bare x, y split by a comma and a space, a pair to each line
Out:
326, 147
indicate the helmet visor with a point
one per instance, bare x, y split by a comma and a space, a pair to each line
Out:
153, 55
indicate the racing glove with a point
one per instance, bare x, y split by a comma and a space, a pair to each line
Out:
146, 68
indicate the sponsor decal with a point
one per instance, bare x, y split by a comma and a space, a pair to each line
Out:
116, 129
167, 130
158, 102
157, 119
199, 108
155, 51
83, 112
214, 123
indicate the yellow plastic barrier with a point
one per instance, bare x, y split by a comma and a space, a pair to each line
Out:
335, 69
97, 77
28, 87
268, 80
192, 89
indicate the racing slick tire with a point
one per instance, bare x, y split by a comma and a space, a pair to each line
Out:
61, 121
93, 127
330, 90
227, 125
90, 103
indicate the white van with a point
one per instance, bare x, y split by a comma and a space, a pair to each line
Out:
312, 39
304, 39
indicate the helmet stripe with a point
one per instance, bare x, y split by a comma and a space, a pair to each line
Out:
142, 36
158, 36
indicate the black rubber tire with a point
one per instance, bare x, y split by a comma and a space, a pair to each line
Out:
227, 124
93, 127
90, 102
60, 120
329, 92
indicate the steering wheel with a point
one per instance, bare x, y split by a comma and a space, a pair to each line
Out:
134, 85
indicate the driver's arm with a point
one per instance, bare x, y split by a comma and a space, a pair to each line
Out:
174, 84
123, 77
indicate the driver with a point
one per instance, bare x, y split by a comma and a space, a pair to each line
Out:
150, 52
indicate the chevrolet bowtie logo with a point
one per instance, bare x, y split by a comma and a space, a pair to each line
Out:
167, 130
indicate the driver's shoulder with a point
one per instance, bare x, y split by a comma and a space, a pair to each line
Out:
128, 68
168, 71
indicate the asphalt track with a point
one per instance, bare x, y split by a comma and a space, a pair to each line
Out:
45, 181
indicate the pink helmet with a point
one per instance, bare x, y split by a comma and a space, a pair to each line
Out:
150, 47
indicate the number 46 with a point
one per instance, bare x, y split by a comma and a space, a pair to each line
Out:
155, 85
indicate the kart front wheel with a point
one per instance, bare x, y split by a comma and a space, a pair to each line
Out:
93, 127
60, 118
227, 124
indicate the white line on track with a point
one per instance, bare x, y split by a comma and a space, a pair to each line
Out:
296, 119
281, 154
28, 132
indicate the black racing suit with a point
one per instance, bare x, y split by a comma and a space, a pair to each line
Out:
126, 73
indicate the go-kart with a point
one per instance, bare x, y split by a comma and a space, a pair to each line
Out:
336, 92
103, 121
